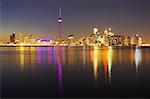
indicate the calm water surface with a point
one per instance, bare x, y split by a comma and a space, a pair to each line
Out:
74, 72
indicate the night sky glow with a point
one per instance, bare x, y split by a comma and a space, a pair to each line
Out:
79, 16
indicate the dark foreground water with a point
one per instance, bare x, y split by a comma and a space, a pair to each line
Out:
74, 72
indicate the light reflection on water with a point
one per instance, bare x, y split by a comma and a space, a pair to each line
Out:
60, 73
63, 63
99, 57
137, 58
109, 57
22, 58
95, 62
102, 59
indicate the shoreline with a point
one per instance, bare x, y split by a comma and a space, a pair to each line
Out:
75, 46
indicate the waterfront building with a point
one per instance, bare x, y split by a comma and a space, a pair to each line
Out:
12, 37
96, 31
71, 40
139, 40
126, 41
136, 40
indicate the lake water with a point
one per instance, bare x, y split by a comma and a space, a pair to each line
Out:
74, 72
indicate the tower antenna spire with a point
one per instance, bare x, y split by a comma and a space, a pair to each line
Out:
60, 11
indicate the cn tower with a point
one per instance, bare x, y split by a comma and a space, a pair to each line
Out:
60, 23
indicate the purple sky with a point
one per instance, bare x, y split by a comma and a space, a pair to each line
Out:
126, 17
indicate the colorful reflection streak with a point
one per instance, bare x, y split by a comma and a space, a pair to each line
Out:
95, 62
109, 58
132, 56
59, 63
22, 58
33, 58
137, 58
84, 57
104, 70
105, 63
39, 49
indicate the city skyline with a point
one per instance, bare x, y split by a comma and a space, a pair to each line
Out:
40, 17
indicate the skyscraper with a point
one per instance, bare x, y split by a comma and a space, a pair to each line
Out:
12, 37
95, 31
